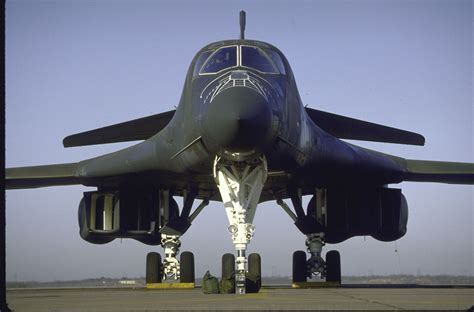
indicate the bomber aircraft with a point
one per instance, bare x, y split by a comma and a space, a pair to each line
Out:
241, 135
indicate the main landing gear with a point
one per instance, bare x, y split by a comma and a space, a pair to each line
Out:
240, 185
312, 224
172, 226
183, 270
314, 266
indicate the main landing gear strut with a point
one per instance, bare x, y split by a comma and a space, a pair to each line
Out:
313, 225
240, 185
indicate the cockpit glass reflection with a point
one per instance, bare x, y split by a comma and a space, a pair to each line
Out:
266, 61
200, 61
276, 60
223, 58
256, 58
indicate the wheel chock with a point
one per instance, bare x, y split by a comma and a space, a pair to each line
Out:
170, 285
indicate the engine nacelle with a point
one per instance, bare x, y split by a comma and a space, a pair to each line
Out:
378, 212
105, 216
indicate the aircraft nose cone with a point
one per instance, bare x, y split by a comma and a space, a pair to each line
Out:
238, 120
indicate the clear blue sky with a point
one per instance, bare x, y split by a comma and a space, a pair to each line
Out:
78, 65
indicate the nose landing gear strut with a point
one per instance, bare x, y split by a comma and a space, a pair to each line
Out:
240, 185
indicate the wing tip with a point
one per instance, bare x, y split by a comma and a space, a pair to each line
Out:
67, 141
419, 139
439, 171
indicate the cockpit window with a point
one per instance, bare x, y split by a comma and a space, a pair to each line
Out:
201, 59
277, 60
223, 58
266, 61
256, 58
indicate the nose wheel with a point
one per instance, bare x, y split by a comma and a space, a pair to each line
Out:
253, 281
253, 277
227, 285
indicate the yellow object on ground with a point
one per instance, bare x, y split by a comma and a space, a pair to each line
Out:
169, 285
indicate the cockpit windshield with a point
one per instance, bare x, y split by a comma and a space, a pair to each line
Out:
265, 61
277, 60
257, 59
223, 58
200, 61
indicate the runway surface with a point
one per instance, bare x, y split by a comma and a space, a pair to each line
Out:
271, 298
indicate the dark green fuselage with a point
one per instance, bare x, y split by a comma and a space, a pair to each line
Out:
240, 124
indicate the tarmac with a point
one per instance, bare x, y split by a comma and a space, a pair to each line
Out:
269, 298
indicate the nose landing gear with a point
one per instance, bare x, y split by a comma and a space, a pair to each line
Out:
240, 185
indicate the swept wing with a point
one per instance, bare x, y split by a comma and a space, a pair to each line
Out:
337, 125
133, 130
354, 129
41, 176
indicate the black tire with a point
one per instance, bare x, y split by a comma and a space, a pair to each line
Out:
186, 261
299, 267
228, 265
333, 266
254, 276
227, 284
153, 268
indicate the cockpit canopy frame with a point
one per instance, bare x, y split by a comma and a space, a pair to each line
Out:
262, 60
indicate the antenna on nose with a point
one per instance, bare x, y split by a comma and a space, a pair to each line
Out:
242, 25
